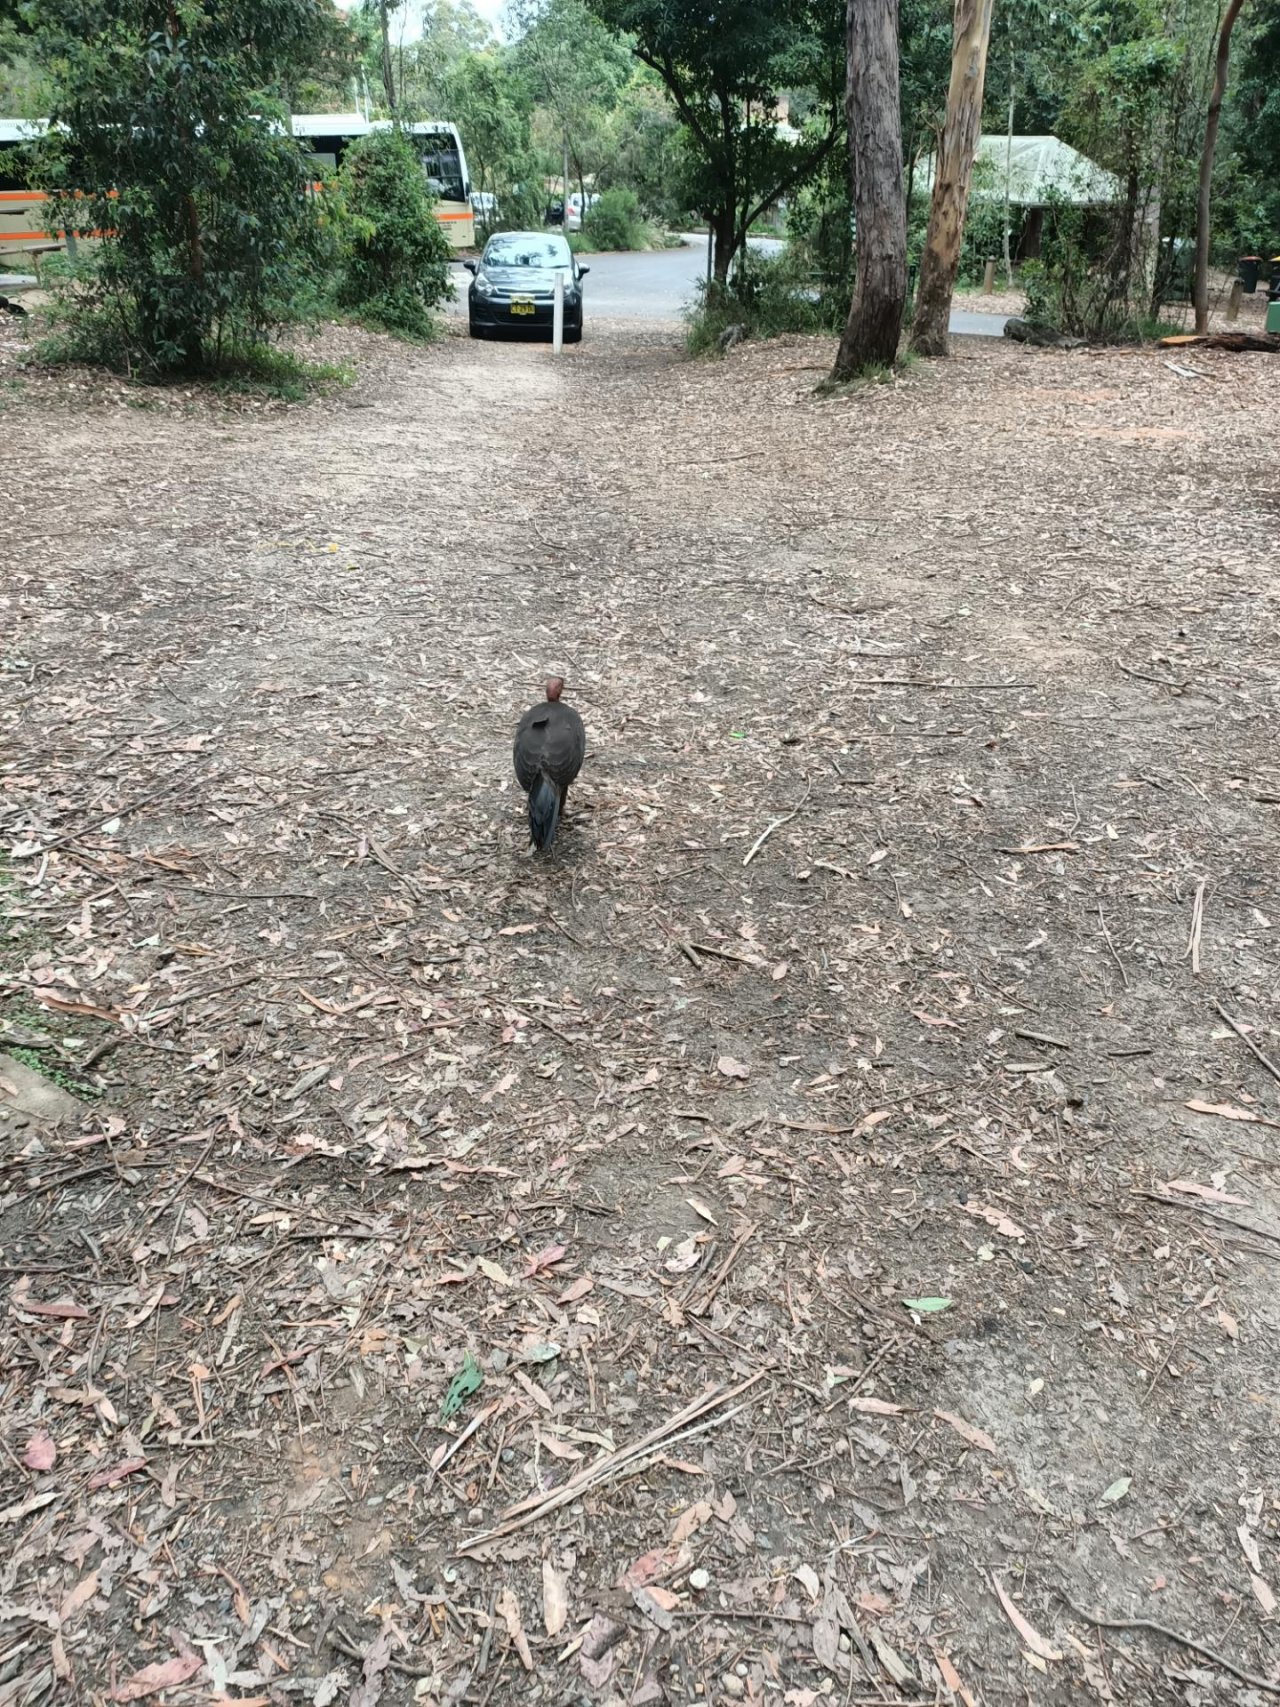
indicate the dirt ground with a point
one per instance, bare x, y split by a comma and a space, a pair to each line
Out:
811, 1239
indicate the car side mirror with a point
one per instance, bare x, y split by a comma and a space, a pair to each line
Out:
583, 271
470, 266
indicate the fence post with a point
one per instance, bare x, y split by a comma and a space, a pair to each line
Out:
989, 277
557, 315
1233, 301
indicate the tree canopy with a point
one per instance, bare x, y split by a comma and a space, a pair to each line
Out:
725, 72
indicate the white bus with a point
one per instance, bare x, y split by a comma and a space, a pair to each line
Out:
24, 232
326, 137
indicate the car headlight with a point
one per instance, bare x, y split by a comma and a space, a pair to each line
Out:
483, 286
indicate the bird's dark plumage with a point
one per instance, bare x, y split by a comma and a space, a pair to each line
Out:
549, 749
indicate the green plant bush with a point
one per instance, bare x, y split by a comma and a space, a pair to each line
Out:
162, 139
765, 297
395, 266
614, 222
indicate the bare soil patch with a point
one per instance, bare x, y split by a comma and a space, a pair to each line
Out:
677, 1152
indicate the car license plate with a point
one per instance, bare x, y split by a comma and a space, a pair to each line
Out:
521, 305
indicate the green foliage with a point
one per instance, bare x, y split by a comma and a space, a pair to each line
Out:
468, 1380
615, 223
725, 68
574, 69
490, 105
1250, 161
820, 226
766, 298
162, 140
1078, 284
395, 266
647, 152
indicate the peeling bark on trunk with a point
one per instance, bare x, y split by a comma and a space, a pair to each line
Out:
952, 172
1203, 199
875, 162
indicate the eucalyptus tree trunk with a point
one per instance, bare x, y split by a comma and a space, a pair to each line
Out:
875, 163
953, 169
1203, 199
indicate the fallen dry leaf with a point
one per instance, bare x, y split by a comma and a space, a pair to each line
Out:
555, 1604
41, 1453
1229, 1111
975, 1436
543, 1260
1189, 1188
1045, 1650
995, 1218
690, 1520
166, 1674
508, 1609
733, 1069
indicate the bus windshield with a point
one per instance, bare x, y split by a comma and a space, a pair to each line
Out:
442, 163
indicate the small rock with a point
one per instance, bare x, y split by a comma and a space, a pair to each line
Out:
699, 1579
733, 1685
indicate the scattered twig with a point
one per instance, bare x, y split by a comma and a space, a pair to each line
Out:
1169, 1635
1197, 925
1248, 1042
1201, 1208
703, 1304
1111, 945
125, 811
1044, 847
777, 824
1043, 1037
1159, 681
700, 1412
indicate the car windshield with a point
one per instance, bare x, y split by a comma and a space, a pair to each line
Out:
527, 250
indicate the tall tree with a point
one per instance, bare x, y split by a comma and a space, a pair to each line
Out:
725, 68
875, 162
575, 69
1205, 189
953, 168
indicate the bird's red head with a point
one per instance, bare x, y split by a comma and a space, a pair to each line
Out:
555, 686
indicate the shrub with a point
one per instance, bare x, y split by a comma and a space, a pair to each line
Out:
614, 222
395, 266
765, 297
162, 140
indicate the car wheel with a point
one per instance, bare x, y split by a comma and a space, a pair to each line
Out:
478, 331
573, 334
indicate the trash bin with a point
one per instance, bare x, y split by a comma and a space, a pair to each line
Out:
1273, 294
1250, 267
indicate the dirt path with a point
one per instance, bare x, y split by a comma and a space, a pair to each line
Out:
989, 659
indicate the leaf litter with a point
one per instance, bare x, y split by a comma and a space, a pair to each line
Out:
649, 1144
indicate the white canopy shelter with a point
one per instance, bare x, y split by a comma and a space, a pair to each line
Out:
1040, 169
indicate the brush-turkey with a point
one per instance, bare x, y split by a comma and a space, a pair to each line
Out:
549, 749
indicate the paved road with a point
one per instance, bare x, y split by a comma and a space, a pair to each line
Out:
656, 286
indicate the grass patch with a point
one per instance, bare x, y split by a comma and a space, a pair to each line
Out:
263, 370
871, 376
93, 339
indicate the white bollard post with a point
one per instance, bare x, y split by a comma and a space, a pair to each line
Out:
557, 315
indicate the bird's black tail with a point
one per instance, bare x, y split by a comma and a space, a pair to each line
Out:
544, 812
